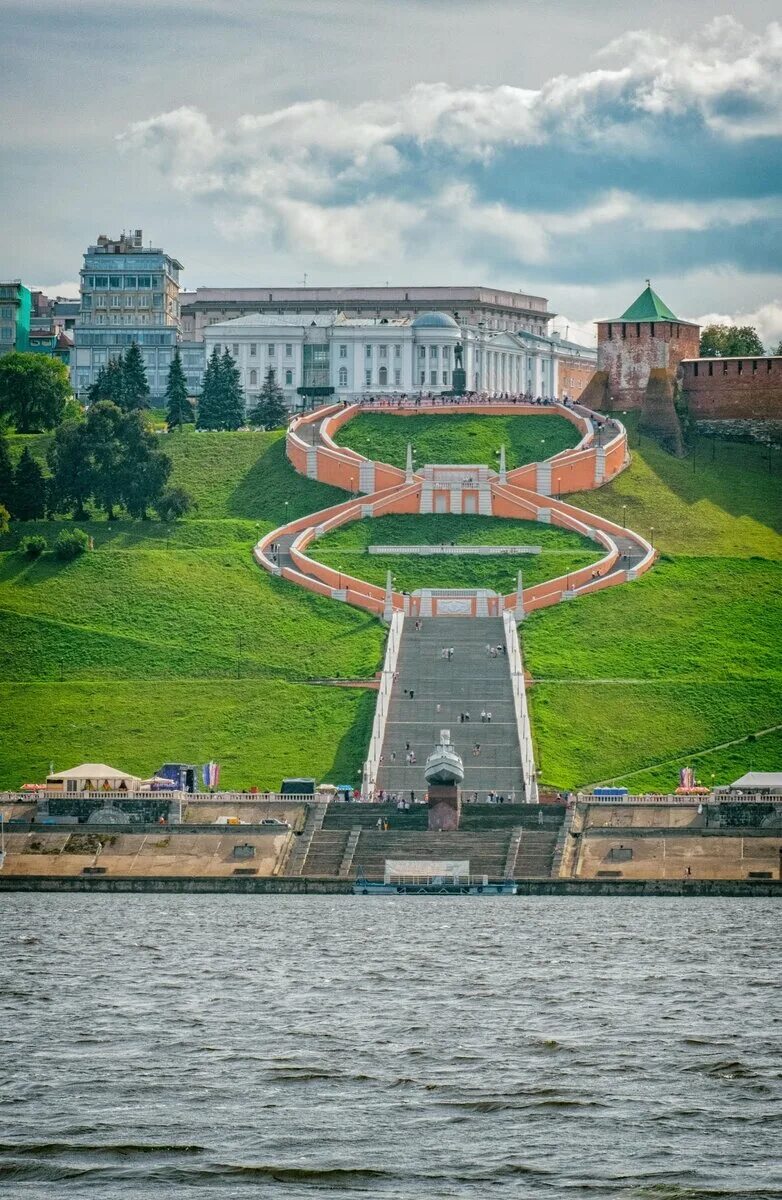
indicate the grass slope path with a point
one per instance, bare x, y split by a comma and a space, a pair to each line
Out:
532, 491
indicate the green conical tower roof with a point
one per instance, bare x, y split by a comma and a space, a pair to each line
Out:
648, 307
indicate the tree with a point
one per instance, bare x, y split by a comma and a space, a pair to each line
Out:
146, 468
135, 387
69, 463
232, 396
5, 520
109, 384
179, 410
6, 473
207, 415
174, 503
778, 351
29, 496
33, 391
271, 411
730, 341
106, 458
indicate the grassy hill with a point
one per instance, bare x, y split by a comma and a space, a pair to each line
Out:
346, 550
639, 680
168, 643
458, 438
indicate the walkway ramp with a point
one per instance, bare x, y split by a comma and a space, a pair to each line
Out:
431, 691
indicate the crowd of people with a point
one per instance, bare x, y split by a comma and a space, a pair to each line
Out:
433, 399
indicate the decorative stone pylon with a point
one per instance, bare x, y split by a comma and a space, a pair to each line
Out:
519, 610
409, 464
388, 603
503, 471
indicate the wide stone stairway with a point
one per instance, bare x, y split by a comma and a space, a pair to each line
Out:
431, 691
498, 839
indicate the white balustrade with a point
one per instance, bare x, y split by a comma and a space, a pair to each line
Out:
372, 763
520, 708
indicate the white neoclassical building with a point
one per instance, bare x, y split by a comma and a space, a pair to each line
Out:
330, 354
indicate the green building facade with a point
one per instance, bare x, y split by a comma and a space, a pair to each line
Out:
15, 313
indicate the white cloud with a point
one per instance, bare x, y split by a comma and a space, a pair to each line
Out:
335, 181
69, 289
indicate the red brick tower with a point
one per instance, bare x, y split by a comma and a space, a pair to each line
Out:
629, 347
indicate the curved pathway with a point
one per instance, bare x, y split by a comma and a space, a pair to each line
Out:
524, 493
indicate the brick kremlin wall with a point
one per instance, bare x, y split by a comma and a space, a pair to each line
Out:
738, 389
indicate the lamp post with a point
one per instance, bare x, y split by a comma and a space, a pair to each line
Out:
651, 539
624, 516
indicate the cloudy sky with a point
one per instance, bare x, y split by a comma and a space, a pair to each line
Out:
553, 146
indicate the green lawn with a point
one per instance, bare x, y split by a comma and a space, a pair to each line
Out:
346, 550
458, 438
687, 657
130, 654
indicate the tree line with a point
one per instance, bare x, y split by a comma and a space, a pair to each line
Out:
35, 393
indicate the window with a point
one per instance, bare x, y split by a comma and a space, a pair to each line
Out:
711, 368
253, 379
446, 352
610, 332
368, 378
288, 378
289, 349
217, 347
382, 376
235, 349
7, 313
253, 349
383, 351
433, 352
157, 300
423, 378
130, 281
422, 352
445, 377
343, 352
741, 367
101, 281
695, 370
433, 377
368, 351
397, 378
143, 301
116, 302
145, 281
130, 301
271, 349
343, 377
115, 281
397, 351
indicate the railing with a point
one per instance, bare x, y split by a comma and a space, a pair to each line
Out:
174, 794
692, 799
372, 764
516, 667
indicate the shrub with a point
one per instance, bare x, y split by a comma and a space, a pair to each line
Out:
71, 543
33, 547
175, 502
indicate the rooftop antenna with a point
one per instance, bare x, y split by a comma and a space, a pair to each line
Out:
305, 279
648, 283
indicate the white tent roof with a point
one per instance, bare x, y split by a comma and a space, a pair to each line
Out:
759, 779
92, 771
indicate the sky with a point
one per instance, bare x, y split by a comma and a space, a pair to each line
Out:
556, 147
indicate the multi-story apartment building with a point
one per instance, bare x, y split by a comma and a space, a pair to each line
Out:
487, 308
129, 293
15, 311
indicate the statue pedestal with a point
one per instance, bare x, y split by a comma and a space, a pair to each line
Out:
445, 806
459, 381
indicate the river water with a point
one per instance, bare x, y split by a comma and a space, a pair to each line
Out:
285, 1046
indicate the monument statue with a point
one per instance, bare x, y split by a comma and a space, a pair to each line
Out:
458, 352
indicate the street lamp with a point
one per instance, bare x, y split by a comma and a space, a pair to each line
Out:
624, 516
651, 539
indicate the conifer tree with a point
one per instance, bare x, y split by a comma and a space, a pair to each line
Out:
207, 415
271, 411
179, 410
69, 462
134, 378
231, 394
29, 495
109, 384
